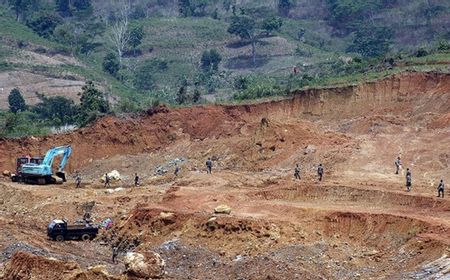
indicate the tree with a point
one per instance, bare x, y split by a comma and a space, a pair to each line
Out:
144, 74
371, 41
78, 37
16, 101
181, 97
143, 78
111, 64
210, 60
136, 36
272, 24
196, 8
57, 110
348, 16
184, 8
246, 28
196, 96
284, 6
119, 35
44, 25
92, 103
63, 8
21, 7
81, 4
226, 5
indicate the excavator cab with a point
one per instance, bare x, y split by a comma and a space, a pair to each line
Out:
20, 161
36, 160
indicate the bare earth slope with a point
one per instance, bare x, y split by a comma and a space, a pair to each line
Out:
357, 223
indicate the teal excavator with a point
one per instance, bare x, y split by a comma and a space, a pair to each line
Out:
35, 170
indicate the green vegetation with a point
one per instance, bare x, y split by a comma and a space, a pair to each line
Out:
210, 60
16, 101
51, 112
92, 104
188, 51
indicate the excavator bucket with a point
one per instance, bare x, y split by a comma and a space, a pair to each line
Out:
62, 175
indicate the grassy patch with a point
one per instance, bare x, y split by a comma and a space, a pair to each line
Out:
13, 30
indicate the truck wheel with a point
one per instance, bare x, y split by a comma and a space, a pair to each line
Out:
85, 237
59, 238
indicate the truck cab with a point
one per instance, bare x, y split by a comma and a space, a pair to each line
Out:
59, 230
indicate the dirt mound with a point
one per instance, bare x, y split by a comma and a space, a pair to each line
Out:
28, 266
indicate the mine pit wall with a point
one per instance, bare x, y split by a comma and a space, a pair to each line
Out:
410, 92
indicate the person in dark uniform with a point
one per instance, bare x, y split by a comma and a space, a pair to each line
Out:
320, 171
115, 252
441, 189
107, 184
297, 172
208, 166
408, 180
177, 170
78, 179
136, 180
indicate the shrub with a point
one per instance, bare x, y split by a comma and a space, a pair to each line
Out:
111, 64
210, 60
16, 101
421, 52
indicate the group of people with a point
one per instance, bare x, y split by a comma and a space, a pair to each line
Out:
398, 166
107, 181
319, 172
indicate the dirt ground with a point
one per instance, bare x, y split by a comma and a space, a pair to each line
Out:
358, 223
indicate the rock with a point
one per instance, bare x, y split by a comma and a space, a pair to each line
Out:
274, 232
310, 149
114, 176
6, 173
167, 217
222, 209
145, 265
211, 224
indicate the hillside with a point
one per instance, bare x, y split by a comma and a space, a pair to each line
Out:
54, 47
224, 139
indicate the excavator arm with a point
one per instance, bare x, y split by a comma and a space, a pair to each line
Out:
52, 153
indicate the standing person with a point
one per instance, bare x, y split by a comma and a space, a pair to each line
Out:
408, 180
136, 180
115, 252
177, 170
297, 172
441, 189
107, 181
78, 179
398, 165
208, 166
320, 171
